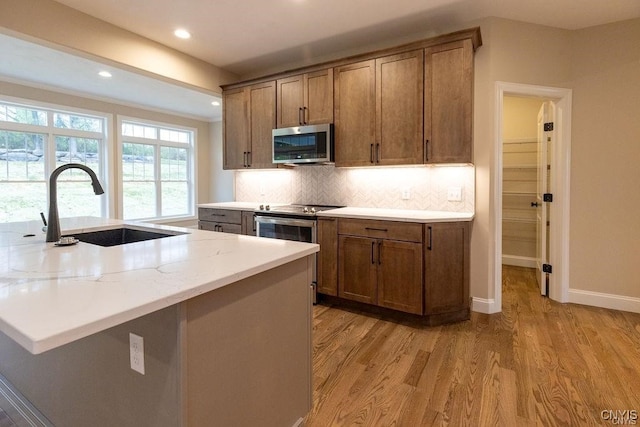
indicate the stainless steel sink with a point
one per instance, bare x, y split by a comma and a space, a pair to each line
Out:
122, 236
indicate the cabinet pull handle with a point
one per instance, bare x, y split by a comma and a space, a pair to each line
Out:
377, 153
380, 252
300, 121
244, 159
373, 244
376, 229
304, 115
429, 244
249, 159
371, 154
426, 150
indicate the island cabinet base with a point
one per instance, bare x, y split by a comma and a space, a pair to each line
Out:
238, 355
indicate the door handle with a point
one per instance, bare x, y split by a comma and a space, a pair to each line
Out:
426, 150
379, 252
535, 204
429, 242
304, 115
377, 153
300, 120
249, 159
244, 159
371, 154
373, 244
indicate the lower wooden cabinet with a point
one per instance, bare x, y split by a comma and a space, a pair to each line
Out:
415, 268
376, 267
226, 221
446, 269
327, 267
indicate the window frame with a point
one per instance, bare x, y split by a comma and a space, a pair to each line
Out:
50, 133
157, 143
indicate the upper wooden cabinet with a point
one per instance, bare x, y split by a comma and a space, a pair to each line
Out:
448, 103
355, 113
305, 99
249, 117
412, 104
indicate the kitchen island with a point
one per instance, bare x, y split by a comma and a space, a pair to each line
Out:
226, 323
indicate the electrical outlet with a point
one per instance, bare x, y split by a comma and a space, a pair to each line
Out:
406, 193
454, 194
136, 352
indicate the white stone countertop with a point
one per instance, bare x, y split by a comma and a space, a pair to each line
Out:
240, 206
405, 215
52, 295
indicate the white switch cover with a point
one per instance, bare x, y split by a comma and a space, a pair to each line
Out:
406, 193
454, 194
136, 352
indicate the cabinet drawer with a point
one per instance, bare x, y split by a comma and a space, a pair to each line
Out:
220, 227
393, 230
220, 215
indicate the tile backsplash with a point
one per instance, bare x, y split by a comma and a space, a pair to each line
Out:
426, 187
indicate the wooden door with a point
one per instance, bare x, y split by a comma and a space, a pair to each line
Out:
318, 97
399, 115
448, 103
446, 267
327, 268
357, 269
262, 113
236, 128
400, 276
290, 101
355, 113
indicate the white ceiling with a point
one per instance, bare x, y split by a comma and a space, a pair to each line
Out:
243, 36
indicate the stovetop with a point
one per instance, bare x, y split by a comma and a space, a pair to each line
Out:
304, 210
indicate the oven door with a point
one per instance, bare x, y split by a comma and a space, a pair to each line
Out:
299, 230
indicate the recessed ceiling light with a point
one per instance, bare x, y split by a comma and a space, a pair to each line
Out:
182, 33
215, 103
105, 74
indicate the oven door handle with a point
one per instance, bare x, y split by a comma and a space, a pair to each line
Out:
285, 221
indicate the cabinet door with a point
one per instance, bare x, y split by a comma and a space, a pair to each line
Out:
248, 223
262, 113
290, 101
400, 276
355, 113
446, 267
318, 97
357, 269
399, 115
448, 103
236, 129
328, 256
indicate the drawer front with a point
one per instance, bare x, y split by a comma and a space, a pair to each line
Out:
220, 215
393, 230
220, 227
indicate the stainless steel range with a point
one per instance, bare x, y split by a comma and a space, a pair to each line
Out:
290, 222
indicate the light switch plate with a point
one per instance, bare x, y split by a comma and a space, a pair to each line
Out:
454, 194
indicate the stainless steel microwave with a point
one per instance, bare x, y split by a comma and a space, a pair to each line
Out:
303, 144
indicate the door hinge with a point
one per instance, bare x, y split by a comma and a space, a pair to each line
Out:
546, 268
547, 197
548, 127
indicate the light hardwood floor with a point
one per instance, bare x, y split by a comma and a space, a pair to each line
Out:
536, 363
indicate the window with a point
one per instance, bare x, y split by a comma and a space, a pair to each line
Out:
157, 166
33, 142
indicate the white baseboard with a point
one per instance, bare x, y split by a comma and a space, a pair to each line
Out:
519, 261
483, 305
598, 299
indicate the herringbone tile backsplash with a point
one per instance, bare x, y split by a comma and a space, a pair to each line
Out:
427, 187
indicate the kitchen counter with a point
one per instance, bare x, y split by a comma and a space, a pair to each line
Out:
239, 206
403, 215
51, 296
